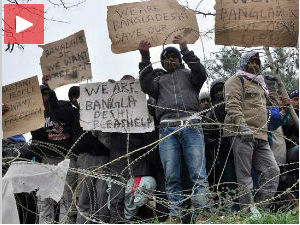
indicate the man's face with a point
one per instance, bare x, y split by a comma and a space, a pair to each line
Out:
253, 65
45, 95
218, 95
75, 102
205, 103
295, 102
171, 63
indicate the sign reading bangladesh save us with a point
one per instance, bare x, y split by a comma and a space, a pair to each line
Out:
273, 23
114, 107
26, 109
66, 61
156, 21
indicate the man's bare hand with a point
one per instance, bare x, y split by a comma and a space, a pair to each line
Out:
178, 39
5, 108
144, 48
111, 81
285, 101
45, 79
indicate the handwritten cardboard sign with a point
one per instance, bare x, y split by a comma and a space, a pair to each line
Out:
155, 21
248, 23
26, 107
114, 107
66, 61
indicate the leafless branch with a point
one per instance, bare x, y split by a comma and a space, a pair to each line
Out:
204, 13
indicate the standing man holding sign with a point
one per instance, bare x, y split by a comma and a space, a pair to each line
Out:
53, 141
176, 93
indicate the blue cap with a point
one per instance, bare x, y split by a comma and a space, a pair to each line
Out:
43, 87
294, 93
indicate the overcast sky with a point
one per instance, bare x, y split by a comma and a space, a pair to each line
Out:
91, 17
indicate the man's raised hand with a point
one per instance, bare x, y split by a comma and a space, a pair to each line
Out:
178, 39
144, 48
45, 79
5, 108
111, 81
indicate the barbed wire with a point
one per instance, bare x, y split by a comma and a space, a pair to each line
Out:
102, 172
97, 175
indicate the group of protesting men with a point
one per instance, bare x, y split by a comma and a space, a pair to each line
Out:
224, 138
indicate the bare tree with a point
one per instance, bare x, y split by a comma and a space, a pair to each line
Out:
66, 4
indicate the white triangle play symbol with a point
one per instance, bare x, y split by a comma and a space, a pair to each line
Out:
22, 24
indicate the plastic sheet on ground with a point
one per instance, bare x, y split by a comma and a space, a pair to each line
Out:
49, 180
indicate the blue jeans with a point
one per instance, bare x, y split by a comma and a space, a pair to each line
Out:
191, 141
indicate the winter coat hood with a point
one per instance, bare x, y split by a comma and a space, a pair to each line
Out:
74, 91
215, 86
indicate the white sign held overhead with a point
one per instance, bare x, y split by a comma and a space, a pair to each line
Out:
114, 107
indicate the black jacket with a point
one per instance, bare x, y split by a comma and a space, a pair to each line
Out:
291, 132
213, 133
140, 166
60, 131
177, 90
88, 143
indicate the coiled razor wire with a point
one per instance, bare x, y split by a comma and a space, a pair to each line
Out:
96, 173
101, 173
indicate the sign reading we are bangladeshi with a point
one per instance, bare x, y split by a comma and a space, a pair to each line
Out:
273, 23
114, 107
66, 61
26, 109
155, 21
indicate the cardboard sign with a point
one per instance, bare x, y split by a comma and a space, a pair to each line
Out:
248, 23
155, 21
66, 61
26, 107
114, 107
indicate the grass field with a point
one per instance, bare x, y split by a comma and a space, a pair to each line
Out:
267, 218
280, 217
283, 216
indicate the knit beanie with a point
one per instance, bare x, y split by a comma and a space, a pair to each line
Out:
163, 55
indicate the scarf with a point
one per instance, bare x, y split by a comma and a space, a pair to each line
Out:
258, 78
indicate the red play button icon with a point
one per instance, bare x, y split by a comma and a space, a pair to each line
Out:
23, 24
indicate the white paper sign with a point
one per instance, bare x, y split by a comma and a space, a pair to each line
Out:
114, 107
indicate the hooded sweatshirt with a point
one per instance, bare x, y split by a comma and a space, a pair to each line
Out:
212, 133
218, 112
61, 128
245, 103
